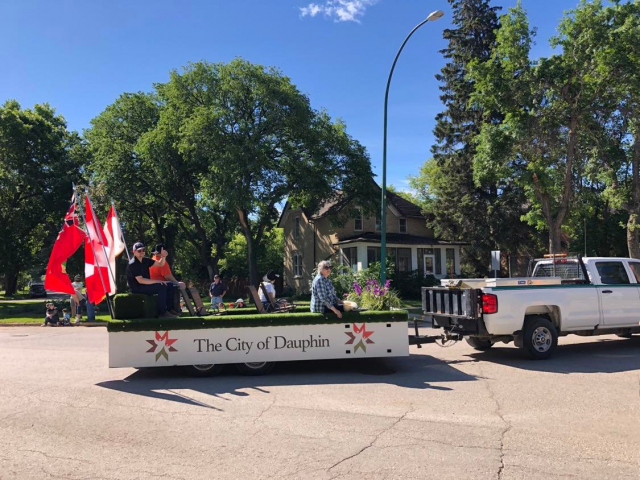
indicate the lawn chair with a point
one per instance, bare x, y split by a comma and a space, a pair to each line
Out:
201, 310
187, 302
275, 306
256, 299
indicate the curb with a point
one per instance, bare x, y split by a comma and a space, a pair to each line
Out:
89, 324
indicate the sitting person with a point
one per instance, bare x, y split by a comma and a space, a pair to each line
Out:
323, 295
267, 282
139, 280
66, 318
164, 273
51, 316
216, 292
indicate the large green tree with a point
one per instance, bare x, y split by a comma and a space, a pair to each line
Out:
546, 134
39, 160
261, 142
485, 215
158, 191
615, 156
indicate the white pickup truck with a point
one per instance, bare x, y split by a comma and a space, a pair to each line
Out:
583, 296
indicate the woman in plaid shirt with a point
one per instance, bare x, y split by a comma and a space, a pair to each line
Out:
323, 295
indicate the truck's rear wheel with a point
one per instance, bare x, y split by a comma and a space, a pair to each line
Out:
479, 343
540, 338
204, 370
255, 368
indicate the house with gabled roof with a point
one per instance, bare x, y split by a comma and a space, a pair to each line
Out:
310, 237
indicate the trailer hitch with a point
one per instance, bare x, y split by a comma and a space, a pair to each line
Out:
445, 339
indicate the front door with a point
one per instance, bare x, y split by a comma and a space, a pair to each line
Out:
429, 265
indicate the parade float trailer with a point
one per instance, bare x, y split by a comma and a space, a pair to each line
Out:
254, 342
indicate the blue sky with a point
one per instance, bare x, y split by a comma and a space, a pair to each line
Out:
79, 56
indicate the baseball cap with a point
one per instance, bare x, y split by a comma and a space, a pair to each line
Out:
271, 275
138, 246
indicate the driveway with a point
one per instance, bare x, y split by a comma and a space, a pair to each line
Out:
440, 413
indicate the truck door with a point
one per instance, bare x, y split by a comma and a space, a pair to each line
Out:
619, 298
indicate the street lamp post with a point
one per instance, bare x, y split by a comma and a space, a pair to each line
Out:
433, 16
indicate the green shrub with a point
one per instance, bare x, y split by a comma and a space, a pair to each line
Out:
134, 305
409, 284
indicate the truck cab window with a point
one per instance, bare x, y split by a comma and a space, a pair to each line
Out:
612, 273
635, 268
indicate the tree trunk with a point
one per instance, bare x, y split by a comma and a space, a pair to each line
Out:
11, 283
633, 243
555, 237
632, 235
254, 277
207, 260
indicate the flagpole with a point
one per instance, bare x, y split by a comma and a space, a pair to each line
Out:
126, 249
104, 250
95, 257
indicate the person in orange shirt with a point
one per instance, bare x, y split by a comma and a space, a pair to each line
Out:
163, 273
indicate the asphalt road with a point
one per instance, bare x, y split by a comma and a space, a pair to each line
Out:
440, 413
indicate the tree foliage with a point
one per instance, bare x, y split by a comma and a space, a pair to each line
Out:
39, 160
484, 214
262, 142
548, 128
158, 190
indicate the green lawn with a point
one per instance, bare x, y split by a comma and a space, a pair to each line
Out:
412, 304
32, 311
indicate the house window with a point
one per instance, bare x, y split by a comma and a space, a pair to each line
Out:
373, 255
403, 225
378, 223
451, 262
357, 223
297, 265
350, 256
403, 260
296, 228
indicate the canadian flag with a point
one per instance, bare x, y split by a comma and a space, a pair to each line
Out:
68, 241
114, 238
96, 251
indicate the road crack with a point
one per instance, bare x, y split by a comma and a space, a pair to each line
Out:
375, 439
498, 412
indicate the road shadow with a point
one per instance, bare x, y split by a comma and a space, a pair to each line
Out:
601, 355
415, 371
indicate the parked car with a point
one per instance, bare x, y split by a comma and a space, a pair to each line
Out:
37, 290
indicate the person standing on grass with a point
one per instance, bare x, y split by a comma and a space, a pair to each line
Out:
216, 292
139, 280
323, 295
78, 299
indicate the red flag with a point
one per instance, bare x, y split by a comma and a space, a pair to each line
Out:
96, 264
68, 241
113, 238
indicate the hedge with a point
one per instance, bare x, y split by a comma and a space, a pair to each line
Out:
254, 320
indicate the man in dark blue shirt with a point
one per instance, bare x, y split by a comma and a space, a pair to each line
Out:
216, 291
140, 281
